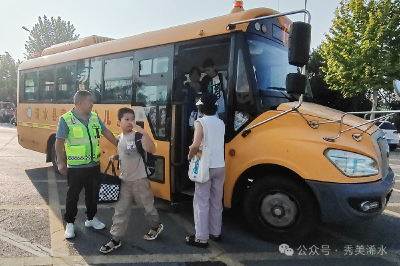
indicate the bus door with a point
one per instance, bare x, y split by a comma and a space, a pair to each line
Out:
151, 101
188, 55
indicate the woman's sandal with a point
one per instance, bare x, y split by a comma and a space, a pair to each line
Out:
192, 241
110, 246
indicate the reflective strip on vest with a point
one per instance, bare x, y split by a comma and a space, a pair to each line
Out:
82, 142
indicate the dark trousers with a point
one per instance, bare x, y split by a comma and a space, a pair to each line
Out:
78, 178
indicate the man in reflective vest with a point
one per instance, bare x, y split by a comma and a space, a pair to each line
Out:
78, 133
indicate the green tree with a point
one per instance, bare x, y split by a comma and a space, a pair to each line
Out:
323, 95
8, 78
48, 32
362, 50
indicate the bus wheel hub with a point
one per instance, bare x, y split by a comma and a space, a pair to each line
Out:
278, 210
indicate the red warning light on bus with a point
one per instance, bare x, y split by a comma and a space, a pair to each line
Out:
238, 4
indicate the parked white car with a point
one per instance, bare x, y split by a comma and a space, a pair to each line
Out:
391, 134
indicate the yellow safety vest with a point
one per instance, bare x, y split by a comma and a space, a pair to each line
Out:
82, 144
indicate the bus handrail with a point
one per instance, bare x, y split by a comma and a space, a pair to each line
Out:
247, 131
315, 124
357, 137
174, 104
232, 26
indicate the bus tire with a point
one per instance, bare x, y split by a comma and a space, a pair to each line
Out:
280, 209
54, 158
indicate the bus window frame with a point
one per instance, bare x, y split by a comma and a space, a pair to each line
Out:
38, 96
155, 79
103, 81
239, 42
160, 181
22, 91
64, 64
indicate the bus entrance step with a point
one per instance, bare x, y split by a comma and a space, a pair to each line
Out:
189, 192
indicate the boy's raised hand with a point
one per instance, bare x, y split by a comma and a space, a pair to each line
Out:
139, 129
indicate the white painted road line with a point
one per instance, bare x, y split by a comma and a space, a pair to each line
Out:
45, 207
163, 259
23, 207
391, 213
8, 142
390, 256
393, 204
218, 253
58, 243
24, 244
396, 190
31, 181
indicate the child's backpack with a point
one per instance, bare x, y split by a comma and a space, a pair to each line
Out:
148, 158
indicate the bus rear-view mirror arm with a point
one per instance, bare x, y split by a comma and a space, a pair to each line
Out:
247, 131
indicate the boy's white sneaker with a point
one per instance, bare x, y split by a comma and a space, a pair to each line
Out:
95, 223
69, 231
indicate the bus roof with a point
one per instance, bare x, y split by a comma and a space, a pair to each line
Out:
195, 30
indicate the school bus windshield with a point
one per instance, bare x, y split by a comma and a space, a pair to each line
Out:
270, 63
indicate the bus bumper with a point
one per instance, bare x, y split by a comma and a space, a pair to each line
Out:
348, 203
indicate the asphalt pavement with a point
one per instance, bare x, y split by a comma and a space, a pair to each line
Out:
32, 201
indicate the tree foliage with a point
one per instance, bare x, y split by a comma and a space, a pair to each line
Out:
323, 95
48, 32
362, 51
8, 78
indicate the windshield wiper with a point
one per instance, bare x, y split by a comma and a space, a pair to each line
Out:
276, 88
281, 90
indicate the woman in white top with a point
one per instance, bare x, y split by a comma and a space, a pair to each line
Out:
207, 202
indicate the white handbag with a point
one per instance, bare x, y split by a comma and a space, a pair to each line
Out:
199, 166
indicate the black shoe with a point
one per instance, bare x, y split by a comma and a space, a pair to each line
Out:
215, 238
192, 241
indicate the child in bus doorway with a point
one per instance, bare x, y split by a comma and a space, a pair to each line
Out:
135, 184
214, 82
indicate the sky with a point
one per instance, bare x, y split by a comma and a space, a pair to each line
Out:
122, 18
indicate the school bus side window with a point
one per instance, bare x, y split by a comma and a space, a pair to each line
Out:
30, 86
155, 100
47, 88
145, 67
66, 82
89, 77
155, 66
118, 79
160, 65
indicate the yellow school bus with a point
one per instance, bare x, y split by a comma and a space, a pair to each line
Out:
289, 163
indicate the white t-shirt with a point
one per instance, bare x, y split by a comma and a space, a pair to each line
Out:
131, 162
214, 129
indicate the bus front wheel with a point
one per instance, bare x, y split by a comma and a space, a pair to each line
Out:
280, 209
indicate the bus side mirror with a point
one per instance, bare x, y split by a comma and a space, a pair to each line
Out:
299, 43
296, 84
396, 87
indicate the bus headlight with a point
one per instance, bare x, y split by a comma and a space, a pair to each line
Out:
352, 164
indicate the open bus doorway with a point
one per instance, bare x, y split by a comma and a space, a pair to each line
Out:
189, 55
